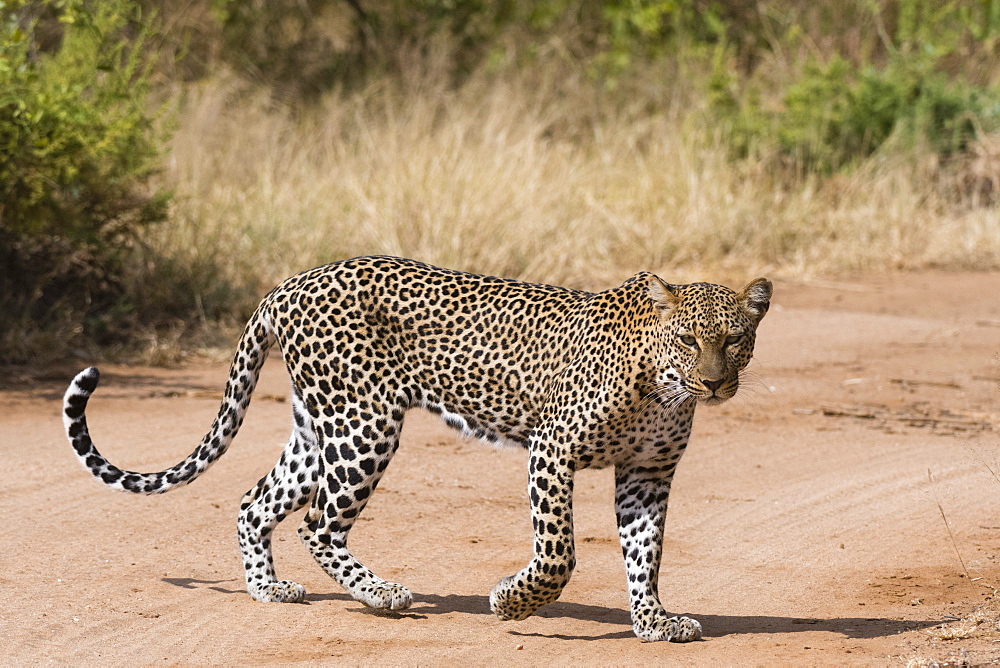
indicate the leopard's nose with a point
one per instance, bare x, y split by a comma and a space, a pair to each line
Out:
713, 385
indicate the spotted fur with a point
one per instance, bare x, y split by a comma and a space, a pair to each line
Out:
577, 379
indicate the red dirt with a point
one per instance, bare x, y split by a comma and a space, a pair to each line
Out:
806, 522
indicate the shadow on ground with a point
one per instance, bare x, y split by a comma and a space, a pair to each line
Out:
715, 626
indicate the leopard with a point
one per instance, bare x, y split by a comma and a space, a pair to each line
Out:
576, 379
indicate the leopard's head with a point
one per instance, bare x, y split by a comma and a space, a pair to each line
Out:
707, 333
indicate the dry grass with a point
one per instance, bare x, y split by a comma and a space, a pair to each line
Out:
983, 624
983, 621
532, 177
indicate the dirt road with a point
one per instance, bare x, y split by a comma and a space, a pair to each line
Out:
838, 511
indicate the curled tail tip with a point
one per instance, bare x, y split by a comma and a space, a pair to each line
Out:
87, 379
79, 391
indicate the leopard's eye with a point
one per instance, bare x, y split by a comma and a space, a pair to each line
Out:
689, 340
733, 339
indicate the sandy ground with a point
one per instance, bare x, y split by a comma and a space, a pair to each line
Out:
838, 511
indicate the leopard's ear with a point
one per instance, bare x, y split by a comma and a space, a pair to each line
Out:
663, 295
755, 299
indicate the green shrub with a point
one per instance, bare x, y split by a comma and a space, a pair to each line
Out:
916, 73
78, 144
834, 118
836, 114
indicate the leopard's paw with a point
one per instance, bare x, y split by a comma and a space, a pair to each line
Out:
385, 596
283, 591
672, 629
512, 600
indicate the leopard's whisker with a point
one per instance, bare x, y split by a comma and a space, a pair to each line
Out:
667, 398
753, 385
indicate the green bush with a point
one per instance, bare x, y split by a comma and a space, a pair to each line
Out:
302, 48
918, 80
836, 114
78, 144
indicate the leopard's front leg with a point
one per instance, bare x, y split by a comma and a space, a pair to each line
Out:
550, 489
641, 504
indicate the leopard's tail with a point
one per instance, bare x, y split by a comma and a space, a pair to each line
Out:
257, 338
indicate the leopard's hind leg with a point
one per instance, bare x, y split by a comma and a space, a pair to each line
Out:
290, 485
357, 441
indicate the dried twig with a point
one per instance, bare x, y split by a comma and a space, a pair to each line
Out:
836, 285
983, 461
905, 382
947, 526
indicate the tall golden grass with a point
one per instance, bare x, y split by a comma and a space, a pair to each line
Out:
532, 175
